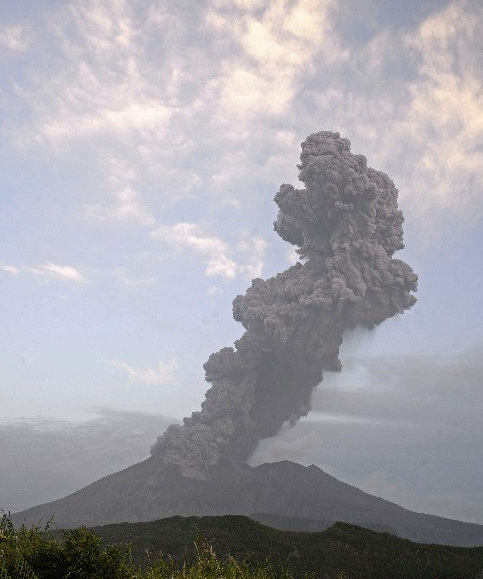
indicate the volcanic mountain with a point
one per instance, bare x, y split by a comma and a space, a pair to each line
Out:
281, 491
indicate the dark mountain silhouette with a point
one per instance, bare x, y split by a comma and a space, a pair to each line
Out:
153, 490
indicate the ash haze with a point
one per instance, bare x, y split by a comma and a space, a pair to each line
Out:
142, 144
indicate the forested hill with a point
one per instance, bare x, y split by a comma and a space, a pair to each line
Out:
359, 552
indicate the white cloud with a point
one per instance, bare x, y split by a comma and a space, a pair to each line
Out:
130, 280
235, 203
341, 418
276, 49
161, 375
292, 255
14, 38
152, 109
221, 266
127, 207
255, 246
219, 262
106, 88
445, 117
131, 116
214, 290
190, 236
49, 272
223, 107
126, 204
243, 4
10, 269
113, 95
55, 272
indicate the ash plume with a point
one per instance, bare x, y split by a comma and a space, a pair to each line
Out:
347, 226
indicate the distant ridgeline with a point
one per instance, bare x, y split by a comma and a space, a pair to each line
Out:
358, 553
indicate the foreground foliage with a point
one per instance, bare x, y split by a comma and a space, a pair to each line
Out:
238, 548
32, 553
29, 553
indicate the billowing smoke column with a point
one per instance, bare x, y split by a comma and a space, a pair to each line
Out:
346, 225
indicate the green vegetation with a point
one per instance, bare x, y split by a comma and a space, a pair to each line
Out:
233, 547
33, 554
357, 552
36, 554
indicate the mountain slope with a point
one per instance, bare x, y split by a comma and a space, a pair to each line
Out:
152, 490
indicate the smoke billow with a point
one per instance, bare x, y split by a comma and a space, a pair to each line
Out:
347, 226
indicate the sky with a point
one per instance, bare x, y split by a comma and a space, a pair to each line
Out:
142, 143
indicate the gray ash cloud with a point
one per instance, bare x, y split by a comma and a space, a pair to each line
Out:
346, 225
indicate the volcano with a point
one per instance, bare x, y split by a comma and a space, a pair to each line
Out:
282, 492
346, 226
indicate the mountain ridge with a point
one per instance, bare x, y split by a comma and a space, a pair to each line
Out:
152, 490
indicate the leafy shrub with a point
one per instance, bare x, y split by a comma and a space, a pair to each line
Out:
33, 554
